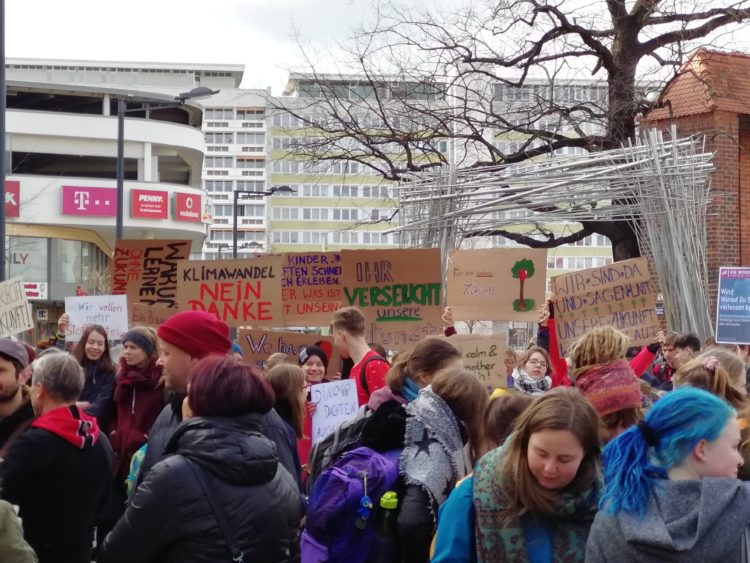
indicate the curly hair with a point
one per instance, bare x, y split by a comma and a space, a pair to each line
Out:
601, 345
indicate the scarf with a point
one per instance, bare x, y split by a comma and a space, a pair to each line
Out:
499, 543
531, 385
71, 424
133, 377
409, 390
433, 456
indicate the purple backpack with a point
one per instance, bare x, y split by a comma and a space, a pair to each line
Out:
337, 528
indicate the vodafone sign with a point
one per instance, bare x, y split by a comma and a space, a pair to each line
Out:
148, 204
188, 207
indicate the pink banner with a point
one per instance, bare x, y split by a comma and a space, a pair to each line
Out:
99, 202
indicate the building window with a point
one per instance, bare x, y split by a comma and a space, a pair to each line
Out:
219, 138
219, 113
218, 186
251, 163
251, 114
251, 138
218, 161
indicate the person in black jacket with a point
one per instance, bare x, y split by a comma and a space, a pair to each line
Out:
92, 353
16, 412
185, 339
171, 518
59, 471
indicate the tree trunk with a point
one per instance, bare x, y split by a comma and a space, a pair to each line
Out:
521, 303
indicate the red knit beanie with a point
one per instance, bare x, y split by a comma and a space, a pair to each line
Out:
198, 333
610, 387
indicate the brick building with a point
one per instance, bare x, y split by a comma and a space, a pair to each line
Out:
711, 96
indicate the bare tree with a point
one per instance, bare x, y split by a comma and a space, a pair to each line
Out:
496, 83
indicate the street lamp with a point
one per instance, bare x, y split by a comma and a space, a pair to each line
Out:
179, 100
248, 194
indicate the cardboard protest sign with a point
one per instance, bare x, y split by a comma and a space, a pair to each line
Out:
336, 403
15, 311
239, 292
620, 295
257, 345
150, 315
109, 311
497, 284
146, 271
733, 306
311, 288
483, 355
399, 292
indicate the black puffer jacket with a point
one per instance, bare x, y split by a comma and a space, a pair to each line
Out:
169, 519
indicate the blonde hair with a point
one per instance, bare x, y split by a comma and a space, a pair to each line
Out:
287, 382
277, 359
559, 409
601, 345
428, 357
717, 371
468, 399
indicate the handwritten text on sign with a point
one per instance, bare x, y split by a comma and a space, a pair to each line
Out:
15, 312
336, 402
146, 270
311, 288
239, 292
399, 292
620, 295
502, 284
483, 355
733, 306
109, 311
258, 345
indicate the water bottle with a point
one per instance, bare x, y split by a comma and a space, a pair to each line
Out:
384, 548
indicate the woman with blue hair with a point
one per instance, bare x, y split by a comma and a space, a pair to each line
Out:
671, 489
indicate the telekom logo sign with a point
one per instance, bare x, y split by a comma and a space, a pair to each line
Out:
81, 199
97, 202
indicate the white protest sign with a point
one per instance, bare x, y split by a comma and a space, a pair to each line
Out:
15, 311
336, 402
109, 311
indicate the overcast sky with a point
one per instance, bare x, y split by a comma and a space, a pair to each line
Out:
261, 34
257, 33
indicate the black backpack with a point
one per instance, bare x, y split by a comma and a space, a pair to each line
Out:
382, 430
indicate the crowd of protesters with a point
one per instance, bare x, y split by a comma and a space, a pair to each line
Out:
180, 451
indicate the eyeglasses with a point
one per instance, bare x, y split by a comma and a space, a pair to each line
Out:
535, 362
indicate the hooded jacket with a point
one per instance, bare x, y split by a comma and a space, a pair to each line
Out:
170, 520
58, 472
138, 397
687, 521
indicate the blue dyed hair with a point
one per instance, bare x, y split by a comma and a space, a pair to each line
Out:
680, 420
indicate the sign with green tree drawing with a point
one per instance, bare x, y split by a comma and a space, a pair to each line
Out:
497, 284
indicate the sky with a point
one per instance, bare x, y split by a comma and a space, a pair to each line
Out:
261, 34
264, 35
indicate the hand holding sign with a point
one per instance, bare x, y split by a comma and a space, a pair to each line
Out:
335, 403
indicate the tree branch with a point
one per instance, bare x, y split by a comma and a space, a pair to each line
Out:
551, 242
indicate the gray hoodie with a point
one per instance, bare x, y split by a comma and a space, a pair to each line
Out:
686, 521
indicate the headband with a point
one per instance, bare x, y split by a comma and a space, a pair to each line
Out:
139, 340
652, 439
